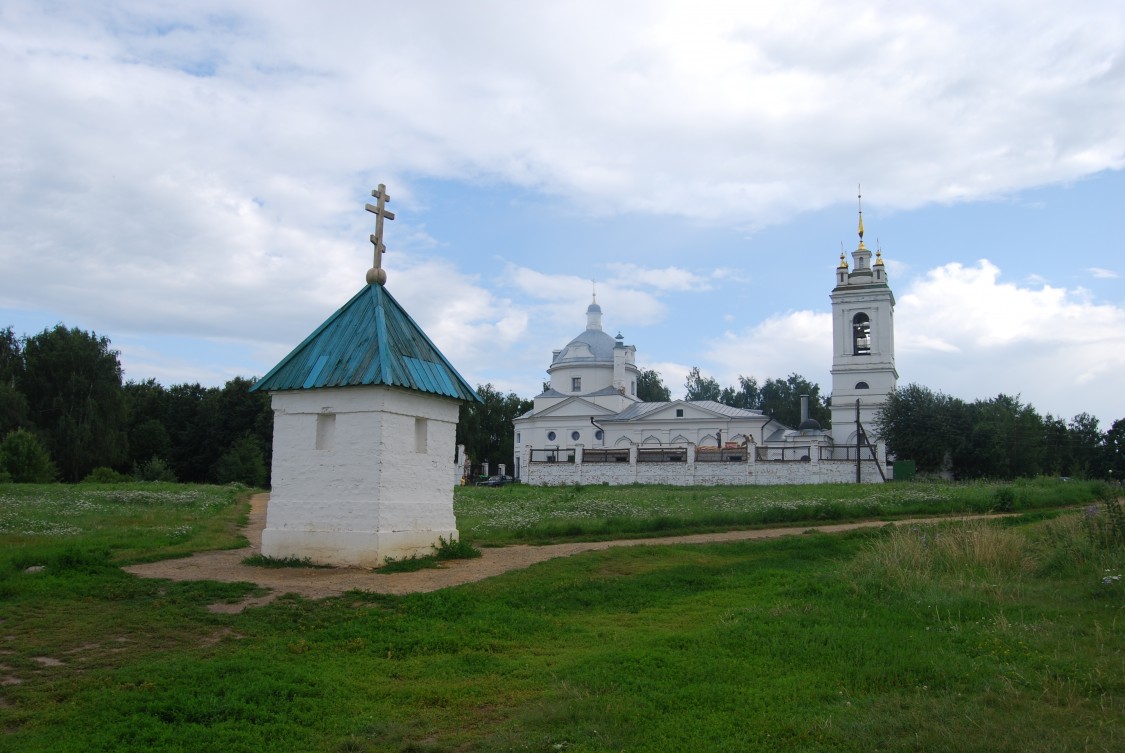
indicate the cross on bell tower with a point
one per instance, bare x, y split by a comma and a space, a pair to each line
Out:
377, 275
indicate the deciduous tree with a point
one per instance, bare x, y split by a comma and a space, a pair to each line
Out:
650, 387
24, 459
13, 404
781, 398
920, 424
699, 387
72, 382
486, 428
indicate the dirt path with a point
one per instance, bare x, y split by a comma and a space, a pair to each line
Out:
319, 583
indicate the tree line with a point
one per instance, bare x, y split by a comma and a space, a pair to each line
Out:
997, 438
66, 414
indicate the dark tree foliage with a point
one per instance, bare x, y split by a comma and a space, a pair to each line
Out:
699, 387
72, 382
244, 414
1115, 450
486, 428
181, 408
1004, 440
996, 438
781, 398
24, 459
1058, 454
1089, 456
650, 387
13, 404
146, 406
922, 425
192, 428
243, 463
747, 396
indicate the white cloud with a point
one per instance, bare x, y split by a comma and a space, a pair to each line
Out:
965, 331
796, 341
669, 278
562, 299
1102, 274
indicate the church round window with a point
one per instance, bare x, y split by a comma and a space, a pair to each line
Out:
599, 435
551, 436
575, 435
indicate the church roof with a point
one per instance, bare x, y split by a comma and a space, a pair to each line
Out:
727, 410
592, 346
640, 410
370, 340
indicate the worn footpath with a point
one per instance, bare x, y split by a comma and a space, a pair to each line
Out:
318, 583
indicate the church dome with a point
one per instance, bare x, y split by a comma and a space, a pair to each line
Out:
592, 346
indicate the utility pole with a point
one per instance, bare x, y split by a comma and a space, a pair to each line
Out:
858, 443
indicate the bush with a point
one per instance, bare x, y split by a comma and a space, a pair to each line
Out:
455, 549
154, 470
25, 460
103, 475
1004, 499
243, 463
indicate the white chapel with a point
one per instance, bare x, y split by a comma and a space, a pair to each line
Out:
365, 417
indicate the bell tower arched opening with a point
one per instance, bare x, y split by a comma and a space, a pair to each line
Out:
861, 335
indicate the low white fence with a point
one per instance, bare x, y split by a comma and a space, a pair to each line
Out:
693, 466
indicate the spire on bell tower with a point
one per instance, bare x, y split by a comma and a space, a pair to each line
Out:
861, 246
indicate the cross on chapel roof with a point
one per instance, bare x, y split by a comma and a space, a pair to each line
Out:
377, 275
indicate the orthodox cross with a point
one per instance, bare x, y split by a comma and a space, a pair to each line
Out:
377, 275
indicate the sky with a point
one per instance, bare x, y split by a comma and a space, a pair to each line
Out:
189, 180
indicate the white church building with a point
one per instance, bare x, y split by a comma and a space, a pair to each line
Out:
589, 426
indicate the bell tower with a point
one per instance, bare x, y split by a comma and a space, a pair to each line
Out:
863, 341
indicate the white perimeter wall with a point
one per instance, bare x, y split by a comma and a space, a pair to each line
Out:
693, 473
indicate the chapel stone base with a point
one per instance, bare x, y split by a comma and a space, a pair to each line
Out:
351, 548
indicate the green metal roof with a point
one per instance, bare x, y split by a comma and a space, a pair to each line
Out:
370, 340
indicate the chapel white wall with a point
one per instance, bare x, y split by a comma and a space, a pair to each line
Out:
370, 494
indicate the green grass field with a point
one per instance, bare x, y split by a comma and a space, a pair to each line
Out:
960, 637
537, 514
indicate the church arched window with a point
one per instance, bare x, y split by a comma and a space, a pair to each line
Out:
862, 386
861, 334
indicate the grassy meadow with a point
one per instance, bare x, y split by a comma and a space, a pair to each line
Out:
1001, 636
540, 514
